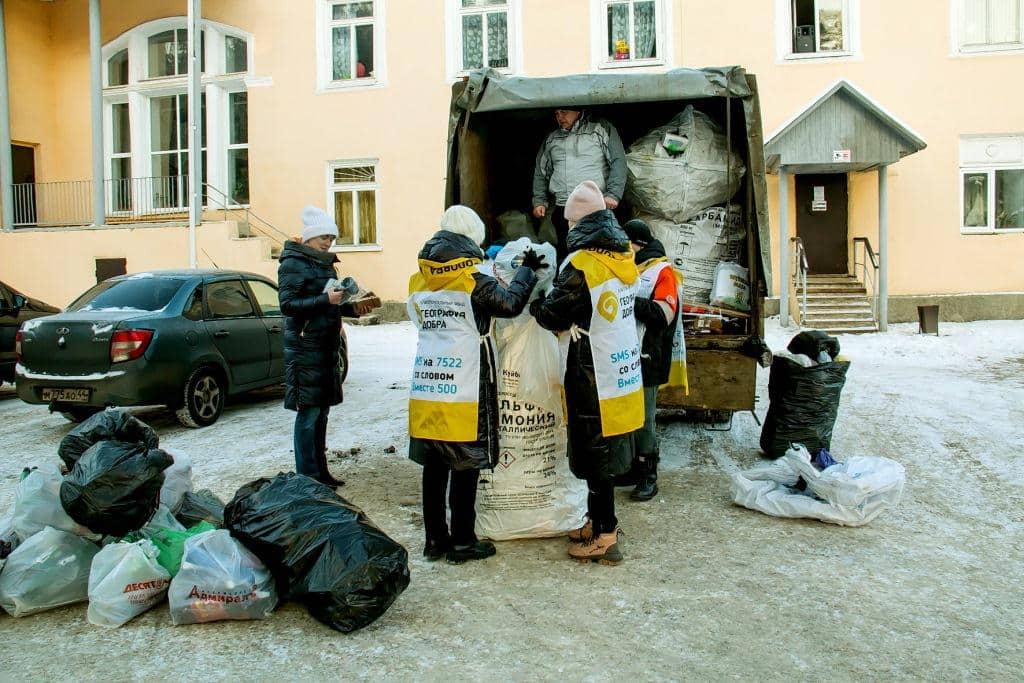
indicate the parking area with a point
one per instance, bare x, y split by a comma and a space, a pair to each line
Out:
931, 590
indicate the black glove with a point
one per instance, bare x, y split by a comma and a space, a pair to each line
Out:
533, 260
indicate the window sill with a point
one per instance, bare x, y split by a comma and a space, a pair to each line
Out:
631, 63
989, 231
989, 50
348, 86
350, 249
819, 56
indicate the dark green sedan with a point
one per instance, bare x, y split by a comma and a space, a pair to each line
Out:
184, 339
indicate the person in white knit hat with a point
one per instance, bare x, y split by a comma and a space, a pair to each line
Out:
453, 404
312, 338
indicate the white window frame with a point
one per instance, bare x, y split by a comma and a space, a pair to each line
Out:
454, 15
230, 146
599, 37
784, 36
969, 166
216, 84
375, 185
325, 82
957, 47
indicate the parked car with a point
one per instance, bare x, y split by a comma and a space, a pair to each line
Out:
185, 339
15, 309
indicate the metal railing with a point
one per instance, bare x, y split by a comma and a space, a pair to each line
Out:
52, 204
862, 254
218, 200
800, 270
147, 200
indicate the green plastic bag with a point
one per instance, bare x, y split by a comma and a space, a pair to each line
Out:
171, 545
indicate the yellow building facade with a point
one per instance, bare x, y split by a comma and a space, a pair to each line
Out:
344, 104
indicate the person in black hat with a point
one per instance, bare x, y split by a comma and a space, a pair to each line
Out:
657, 314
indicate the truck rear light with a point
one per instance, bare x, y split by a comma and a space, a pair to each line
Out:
129, 344
17, 344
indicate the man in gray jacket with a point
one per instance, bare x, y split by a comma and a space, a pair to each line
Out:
581, 149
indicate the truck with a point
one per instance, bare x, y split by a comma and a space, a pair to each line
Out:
497, 124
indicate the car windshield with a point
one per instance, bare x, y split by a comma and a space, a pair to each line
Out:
131, 294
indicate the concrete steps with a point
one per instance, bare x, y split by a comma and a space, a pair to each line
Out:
837, 304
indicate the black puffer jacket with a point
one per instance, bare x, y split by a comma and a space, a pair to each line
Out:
489, 300
591, 455
312, 336
656, 346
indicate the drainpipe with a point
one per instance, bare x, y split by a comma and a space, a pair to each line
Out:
783, 247
883, 248
6, 165
195, 153
99, 213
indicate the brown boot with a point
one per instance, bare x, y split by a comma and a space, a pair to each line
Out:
603, 549
583, 534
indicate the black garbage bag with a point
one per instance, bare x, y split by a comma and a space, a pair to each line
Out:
322, 550
200, 506
108, 425
812, 342
114, 488
803, 403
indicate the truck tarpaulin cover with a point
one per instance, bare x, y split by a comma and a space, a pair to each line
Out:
321, 549
488, 90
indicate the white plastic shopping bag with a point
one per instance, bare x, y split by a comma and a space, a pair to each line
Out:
220, 579
49, 570
125, 581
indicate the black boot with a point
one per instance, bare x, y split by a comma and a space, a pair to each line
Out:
480, 550
647, 486
435, 550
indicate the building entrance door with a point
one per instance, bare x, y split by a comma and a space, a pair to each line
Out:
23, 162
821, 221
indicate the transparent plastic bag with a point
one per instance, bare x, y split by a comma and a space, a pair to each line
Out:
37, 505
125, 581
220, 579
177, 479
49, 570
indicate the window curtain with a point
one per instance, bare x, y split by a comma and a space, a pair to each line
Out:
341, 53
497, 40
646, 30
473, 41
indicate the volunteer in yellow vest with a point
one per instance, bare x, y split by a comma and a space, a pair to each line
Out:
657, 317
592, 301
453, 408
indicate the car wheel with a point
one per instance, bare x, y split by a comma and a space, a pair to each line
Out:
79, 414
204, 397
343, 361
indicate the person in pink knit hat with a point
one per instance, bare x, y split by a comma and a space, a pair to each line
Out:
593, 299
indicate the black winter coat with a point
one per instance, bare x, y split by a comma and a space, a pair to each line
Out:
489, 300
312, 327
591, 454
656, 346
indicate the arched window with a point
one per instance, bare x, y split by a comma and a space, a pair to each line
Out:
146, 115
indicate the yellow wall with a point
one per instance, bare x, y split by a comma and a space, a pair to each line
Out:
905, 64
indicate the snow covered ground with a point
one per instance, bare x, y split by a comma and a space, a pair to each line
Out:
932, 590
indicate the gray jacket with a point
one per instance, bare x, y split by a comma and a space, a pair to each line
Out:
590, 150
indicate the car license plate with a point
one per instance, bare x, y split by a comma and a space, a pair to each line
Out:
66, 395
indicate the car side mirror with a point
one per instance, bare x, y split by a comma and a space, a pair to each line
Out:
19, 302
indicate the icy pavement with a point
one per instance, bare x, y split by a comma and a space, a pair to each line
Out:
932, 590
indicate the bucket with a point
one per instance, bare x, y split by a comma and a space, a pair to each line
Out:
928, 319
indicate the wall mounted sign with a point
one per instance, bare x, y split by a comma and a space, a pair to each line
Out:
818, 202
841, 156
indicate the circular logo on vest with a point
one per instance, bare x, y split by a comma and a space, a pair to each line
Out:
608, 306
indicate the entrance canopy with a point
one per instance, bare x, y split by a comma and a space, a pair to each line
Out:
841, 131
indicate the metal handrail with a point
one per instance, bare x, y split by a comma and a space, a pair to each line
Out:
800, 271
868, 278
229, 204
